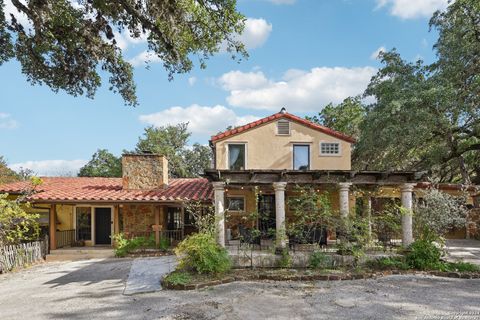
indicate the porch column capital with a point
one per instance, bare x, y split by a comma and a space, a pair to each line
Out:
279, 186
344, 186
407, 187
218, 185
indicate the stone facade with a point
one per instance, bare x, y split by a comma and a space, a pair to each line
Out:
144, 171
138, 219
473, 224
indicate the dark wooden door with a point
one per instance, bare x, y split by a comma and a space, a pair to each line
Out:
103, 225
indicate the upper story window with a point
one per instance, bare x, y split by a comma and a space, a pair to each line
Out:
301, 157
283, 127
329, 148
236, 157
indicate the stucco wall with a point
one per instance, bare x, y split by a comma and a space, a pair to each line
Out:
65, 217
267, 150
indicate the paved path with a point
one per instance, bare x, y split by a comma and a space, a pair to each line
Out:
146, 273
466, 250
93, 290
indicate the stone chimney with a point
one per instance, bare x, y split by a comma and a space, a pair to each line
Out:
144, 171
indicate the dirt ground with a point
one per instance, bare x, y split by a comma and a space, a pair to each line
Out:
93, 290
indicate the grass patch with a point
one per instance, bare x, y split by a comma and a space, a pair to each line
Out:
178, 278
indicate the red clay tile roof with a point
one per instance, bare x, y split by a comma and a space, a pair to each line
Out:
279, 115
110, 189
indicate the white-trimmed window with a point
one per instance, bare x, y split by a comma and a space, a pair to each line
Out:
329, 148
237, 156
283, 128
236, 203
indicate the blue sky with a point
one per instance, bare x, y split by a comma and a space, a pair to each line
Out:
303, 55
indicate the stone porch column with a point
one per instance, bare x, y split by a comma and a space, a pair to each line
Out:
343, 190
407, 229
281, 235
219, 190
367, 203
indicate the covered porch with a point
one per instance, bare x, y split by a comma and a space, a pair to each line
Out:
76, 225
238, 193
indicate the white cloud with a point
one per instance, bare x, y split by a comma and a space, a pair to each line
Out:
125, 40
144, 57
374, 55
51, 167
6, 121
201, 119
21, 17
192, 81
256, 32
298, 90
237, 80
410, 9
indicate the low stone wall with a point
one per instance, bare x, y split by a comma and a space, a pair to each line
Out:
259, 259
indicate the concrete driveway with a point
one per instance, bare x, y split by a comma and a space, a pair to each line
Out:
466, 250
93, 289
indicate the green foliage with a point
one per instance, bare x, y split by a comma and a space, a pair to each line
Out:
286, 260
345, 117
320, 260
178, 278
460, 266
312, 210
124, 246
438, 212
388, 263
200, 253
171, 141
17, 224
7, 175
72, 42
424, 255
203, 216
425, 117
102, 164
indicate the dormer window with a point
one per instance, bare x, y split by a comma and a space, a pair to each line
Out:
329, 148
283, 127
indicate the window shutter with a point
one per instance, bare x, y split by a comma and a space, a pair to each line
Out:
283, 127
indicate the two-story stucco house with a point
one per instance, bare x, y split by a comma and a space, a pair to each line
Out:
256, 169
258, 166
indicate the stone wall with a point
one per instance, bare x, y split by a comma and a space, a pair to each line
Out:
138, 219
473, 224
144, 171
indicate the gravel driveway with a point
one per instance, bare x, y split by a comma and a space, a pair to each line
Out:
93, 290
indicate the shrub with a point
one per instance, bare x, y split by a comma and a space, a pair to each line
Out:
388, 263
439, 212
460, 266
286, 260
320, 260
123, 246
424, 254
178, 278
199, 252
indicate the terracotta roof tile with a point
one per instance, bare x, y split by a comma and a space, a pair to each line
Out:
279, 115
110, 189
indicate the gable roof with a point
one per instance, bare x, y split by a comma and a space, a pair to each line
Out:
277, 116
110, 190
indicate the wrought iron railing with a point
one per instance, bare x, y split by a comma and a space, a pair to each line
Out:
65, 238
